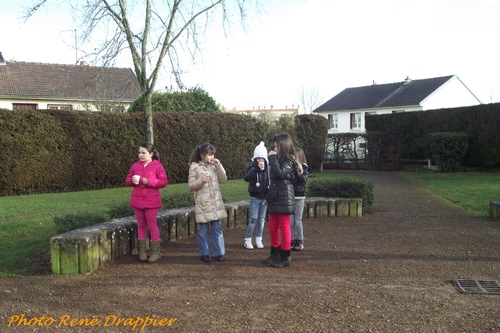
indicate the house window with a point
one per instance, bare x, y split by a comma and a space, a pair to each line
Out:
355, 120
24, 106
370, 113
333, 120
65, 107
398, 111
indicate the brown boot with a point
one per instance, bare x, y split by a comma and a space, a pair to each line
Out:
155, 251
141, 248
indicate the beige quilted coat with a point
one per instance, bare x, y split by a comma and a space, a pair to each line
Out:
208, 205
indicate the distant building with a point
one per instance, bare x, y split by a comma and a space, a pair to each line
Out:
346, 111
25, 85
271, 113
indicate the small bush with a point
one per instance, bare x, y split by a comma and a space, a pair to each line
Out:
449, 149
75, 221
176, 200
342, 188
119, 210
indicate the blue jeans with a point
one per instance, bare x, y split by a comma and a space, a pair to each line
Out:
218, 248
257, 216
296, 220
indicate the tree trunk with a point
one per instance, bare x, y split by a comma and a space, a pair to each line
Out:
148, 118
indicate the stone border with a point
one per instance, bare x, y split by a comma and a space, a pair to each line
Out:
84, 250
495, 209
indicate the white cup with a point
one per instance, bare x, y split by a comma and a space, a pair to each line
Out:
135, 179
261, 165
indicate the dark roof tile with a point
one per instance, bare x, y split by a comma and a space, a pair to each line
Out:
404, 93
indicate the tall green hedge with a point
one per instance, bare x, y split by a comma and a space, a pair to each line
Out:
47, 151
406, 135
310, 131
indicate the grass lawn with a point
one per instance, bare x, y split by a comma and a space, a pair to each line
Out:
472, 191
26, 222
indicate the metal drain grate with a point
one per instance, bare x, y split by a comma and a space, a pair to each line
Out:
478, 286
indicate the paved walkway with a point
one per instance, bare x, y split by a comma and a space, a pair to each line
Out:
388, 271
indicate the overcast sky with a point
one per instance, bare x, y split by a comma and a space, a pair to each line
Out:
323, 45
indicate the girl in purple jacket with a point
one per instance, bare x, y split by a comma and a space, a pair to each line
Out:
147, 176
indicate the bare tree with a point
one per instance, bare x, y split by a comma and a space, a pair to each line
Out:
310, 98
151, 31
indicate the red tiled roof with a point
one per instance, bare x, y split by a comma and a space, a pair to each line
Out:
37, 80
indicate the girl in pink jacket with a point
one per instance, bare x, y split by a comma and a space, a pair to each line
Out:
147, 176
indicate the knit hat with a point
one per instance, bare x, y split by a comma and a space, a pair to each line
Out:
260, 151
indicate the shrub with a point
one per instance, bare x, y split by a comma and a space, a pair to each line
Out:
75, 221
342, 188
449, 149
119, 210
176, 200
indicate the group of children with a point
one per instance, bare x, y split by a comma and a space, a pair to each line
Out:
276, 184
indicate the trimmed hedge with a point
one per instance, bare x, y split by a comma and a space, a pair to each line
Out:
448, 150
348, 187
48, 151
406, 135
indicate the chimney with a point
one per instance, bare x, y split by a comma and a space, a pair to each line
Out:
2, 60
82, 63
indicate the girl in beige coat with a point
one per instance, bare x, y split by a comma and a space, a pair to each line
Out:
205, 174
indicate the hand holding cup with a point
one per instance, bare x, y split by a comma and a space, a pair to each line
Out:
261, 165
135, 179
205, 177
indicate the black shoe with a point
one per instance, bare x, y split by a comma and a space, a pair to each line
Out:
299, 246
206, 258
221, 258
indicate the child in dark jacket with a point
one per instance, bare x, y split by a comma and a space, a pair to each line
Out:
299, 187
257, 176
147, 176
281, 199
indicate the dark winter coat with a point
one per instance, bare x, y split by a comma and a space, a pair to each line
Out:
281, 198
254, 175
147, 196
299, 182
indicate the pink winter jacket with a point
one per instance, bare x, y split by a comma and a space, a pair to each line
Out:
147, 196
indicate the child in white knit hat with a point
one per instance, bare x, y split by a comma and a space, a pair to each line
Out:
257, 176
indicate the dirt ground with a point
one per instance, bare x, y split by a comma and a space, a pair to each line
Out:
388, 271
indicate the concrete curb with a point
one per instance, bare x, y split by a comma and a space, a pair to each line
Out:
84, 250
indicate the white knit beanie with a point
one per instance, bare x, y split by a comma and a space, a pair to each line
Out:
260, 151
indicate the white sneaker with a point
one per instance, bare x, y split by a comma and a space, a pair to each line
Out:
248, 243
258, 242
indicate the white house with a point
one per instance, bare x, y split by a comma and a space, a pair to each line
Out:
25, 85
346, 111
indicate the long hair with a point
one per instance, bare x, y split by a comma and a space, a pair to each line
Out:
203, 149
151, 149
299, 153
285, 146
